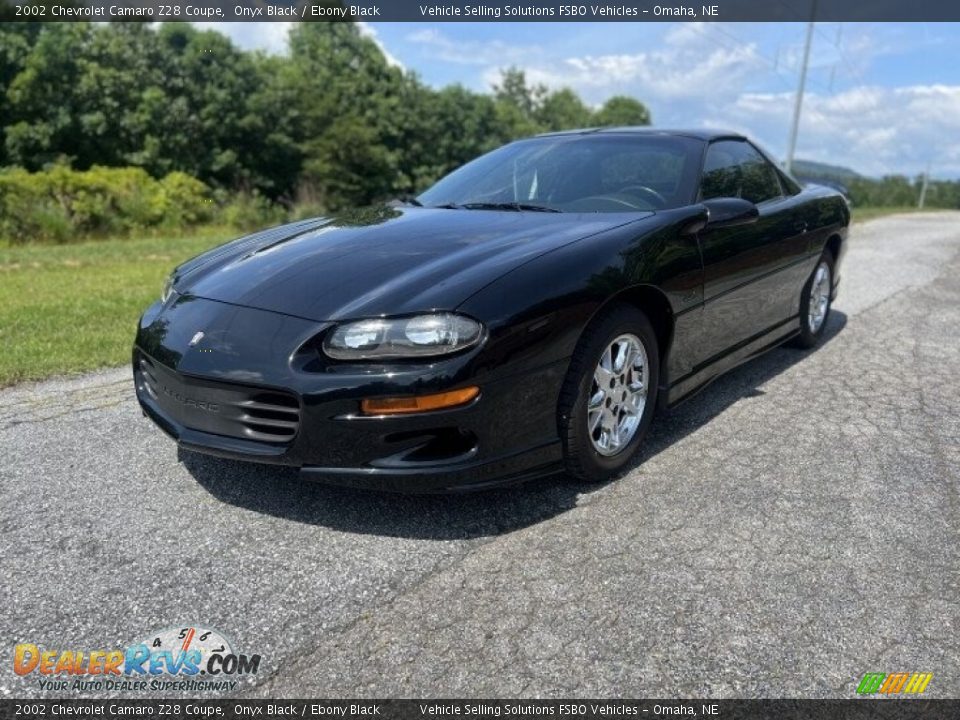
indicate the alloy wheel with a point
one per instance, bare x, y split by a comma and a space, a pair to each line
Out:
819, 297
618, 395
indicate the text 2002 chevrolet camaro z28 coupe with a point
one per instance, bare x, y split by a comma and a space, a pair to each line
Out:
527, 314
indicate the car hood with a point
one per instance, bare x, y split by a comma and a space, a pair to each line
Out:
381, 260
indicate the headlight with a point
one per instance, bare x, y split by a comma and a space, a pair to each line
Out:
420, 336
167, 290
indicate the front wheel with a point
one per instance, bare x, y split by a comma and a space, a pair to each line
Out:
815, 303
610, 394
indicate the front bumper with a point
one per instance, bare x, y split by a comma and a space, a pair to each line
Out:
261, 404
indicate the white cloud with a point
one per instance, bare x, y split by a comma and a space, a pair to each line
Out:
658, 75
874, 130
493, 52
273, 36
367, 30
680, 68
696, 77
268, 36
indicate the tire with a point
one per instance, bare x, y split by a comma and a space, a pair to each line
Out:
812, 322
598, 443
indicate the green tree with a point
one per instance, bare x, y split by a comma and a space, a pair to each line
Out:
119, 63
514, 90
42, 117
563, 110
622, 111
16, 41
445, 129
344, 91
208, 85
518, 103
275, 155
332, 122
889, 191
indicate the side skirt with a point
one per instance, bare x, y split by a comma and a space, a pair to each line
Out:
689, 385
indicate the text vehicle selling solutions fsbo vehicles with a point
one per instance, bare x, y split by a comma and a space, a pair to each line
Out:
525, 315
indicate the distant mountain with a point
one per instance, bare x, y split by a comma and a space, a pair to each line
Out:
811, 171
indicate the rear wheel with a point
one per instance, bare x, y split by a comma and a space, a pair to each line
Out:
815, 303
610, 393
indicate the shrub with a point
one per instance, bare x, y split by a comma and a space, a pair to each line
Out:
307, 203
185, 201
61, 205
251, 211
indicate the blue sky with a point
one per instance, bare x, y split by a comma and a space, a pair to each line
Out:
881, 98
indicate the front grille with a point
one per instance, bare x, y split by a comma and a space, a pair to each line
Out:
270, 416
147, 377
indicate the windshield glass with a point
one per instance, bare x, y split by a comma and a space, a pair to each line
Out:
577, 173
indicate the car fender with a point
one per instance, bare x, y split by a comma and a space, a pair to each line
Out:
537, 312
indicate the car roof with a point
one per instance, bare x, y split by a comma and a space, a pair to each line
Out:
706, 135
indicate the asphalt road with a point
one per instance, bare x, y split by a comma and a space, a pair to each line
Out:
793, 527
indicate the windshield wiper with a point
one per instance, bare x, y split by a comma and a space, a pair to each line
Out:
408, 200
518, 206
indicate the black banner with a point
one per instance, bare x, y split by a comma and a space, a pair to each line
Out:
482, 10
862, 709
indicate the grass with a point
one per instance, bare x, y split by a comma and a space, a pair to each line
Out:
74, 308
862, 214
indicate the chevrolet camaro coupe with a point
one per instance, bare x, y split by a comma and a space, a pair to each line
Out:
528, 314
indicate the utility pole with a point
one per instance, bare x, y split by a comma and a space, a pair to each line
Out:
798, 103
923, 188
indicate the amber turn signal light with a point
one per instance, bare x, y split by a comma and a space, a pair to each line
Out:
418, 403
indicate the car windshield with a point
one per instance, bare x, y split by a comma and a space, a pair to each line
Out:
576, 173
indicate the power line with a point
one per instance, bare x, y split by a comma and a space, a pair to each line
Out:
923, 188
855, 74
739, 44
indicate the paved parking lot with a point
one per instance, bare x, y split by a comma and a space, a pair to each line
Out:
788, 530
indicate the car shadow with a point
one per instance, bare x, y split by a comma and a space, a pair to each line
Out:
280, 492
742, 382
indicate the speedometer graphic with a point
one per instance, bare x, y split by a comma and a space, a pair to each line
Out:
177, 640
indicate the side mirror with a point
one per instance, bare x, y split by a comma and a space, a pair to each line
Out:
729, 212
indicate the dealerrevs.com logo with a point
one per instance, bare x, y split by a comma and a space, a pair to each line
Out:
186, 659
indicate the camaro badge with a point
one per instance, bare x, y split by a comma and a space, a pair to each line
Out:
196, 338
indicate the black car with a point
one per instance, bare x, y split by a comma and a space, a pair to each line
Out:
525, 315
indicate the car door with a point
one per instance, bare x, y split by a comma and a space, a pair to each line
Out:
745, 284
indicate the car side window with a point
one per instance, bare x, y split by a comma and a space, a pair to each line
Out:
733, 168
